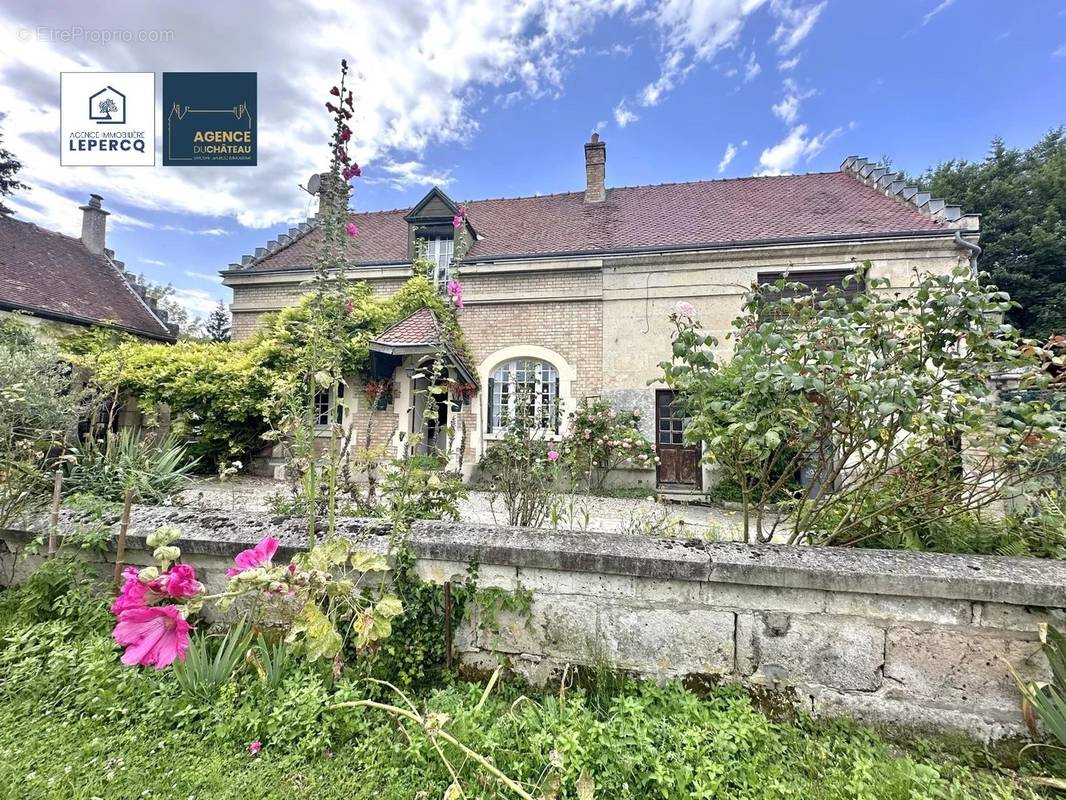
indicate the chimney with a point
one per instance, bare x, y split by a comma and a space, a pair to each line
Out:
595, 170
94, 225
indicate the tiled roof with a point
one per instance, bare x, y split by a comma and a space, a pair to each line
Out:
49, 274
790, 207
422, 329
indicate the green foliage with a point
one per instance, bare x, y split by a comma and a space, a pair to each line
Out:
1021, 197
518, 469
601, 439
851, 387
104, 730
128, 461
211, 661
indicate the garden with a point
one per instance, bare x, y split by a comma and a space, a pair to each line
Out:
917, 421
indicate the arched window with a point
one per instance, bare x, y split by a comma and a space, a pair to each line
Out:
529, 381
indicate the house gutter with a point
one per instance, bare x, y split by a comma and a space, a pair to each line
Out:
71, 319
974, 250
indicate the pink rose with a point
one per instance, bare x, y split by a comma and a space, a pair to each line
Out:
352, 230
152, 635
553, 455
257, 556
684, 309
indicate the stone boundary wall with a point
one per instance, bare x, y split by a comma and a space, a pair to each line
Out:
917, 640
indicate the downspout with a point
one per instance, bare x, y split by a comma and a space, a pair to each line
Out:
975, 251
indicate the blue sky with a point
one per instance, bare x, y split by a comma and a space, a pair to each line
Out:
500, 104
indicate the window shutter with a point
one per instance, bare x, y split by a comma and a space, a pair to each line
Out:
488, 422
555, 411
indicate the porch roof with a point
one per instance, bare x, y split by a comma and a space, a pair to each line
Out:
422, 333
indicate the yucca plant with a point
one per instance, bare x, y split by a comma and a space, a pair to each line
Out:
129, 462
211, 661
1046, 701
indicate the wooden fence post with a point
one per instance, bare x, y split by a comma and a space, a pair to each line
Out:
124, 525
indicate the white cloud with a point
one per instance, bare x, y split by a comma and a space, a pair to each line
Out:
1060, 52
419, 79
727, 157
196, 301
600, 125
404, 174
751, 69
204, 276
788, 109
782, 157
153, 261
944, 4
796, 21
623, 116
788, 63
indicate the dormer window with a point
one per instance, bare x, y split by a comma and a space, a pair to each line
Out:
440, 250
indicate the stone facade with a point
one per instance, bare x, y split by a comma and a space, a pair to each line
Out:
919, 640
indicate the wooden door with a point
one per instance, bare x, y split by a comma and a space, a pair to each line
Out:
679, 463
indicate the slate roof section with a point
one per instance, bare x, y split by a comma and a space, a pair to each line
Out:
419, 333
815, 206
54, 276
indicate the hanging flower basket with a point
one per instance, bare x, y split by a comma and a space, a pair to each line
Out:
462, 393
379, 392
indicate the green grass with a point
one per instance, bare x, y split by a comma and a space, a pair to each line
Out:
75, 723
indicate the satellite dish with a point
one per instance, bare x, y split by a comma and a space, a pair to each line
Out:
314, 183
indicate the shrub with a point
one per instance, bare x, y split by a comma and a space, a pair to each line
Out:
853, 384
522, 468
128, 461
601, 439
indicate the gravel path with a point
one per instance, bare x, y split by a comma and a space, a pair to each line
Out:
581, 512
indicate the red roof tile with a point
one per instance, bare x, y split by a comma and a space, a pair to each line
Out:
813, 206
419, 328
47, 273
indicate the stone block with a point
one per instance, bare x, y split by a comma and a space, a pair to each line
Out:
562, 627
564, 582
656, 590
956, 667
1027, 619
798, 650
667, 641
900, 609
762, 598
488, 575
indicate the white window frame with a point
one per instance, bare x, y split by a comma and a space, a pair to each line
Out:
545, 384
321, 403
441, 251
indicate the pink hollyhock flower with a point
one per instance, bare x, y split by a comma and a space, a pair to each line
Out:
349, 307
553, 455
352, 229
152, 635
255, 747
133, 593
256, 557
335, 92
684, 309
346, 134
455, 291
352, 171
178, 581
457, 220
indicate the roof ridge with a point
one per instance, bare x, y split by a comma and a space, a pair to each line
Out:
122, 276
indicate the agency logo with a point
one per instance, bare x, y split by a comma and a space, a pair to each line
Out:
209, 119
107, 119
108, 107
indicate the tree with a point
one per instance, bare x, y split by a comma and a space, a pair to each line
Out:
883, 402
189, 327
217, 326
9, 165
107, 107
1021, 196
